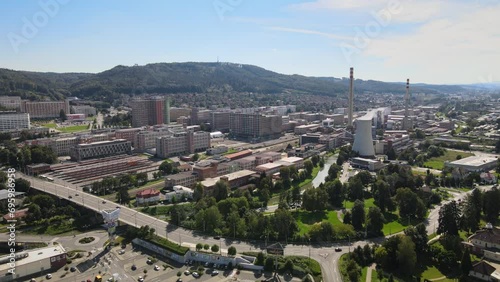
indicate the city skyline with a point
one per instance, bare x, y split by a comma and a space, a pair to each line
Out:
432, 42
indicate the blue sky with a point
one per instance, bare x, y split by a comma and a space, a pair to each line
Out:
428, 41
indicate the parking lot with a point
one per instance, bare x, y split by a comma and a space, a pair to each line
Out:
130, 264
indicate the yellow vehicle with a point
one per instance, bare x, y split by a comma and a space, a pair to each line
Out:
98, 278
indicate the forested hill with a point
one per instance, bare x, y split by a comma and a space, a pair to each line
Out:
184, 78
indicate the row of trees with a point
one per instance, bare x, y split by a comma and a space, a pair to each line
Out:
18, 158
466, 215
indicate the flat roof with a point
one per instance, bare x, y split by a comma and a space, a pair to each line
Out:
292, 159
34, 256
365, 160
103, 142
231, 176
269, 166
474, 161
181, 175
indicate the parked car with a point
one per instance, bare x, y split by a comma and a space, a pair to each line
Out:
196, 275
215, 272
338, 249
48, 276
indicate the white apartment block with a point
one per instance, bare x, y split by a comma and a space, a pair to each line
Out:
14, 121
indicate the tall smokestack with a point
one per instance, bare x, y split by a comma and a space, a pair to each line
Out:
351, 98
407, 98
407, 124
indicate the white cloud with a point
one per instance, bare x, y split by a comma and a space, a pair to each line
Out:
407, 10
464, 46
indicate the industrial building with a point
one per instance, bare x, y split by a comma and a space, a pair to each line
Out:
100, 149
84, 109
474, 164
18, 121
234, 180
150, 111
128, 134
363, 141
88, 171
220, 121
187, 179
33, 262
255, 127
368, 164
49, 109
146, 140
10, 102
182, 143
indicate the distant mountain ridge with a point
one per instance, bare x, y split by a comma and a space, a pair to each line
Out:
189, 77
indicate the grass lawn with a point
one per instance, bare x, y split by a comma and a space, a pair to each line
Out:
368, 204
396, 224
230, 151
49, 125
305, 219
438, 162
364, 271
74, 128
431, 273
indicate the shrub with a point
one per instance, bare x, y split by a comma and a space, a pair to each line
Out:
179, 273
199, 246
206, 247
231, 251
215, 248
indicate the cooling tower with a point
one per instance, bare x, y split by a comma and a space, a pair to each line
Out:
363, 142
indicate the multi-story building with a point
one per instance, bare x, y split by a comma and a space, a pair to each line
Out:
10, 121
220, 121
187, 179
47, 109
182, 143
84, 109
176, 113
63, 146
147, 197
10, 102
146, 140
100, 149
255, 127
149, 111
200, 116
128, 134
